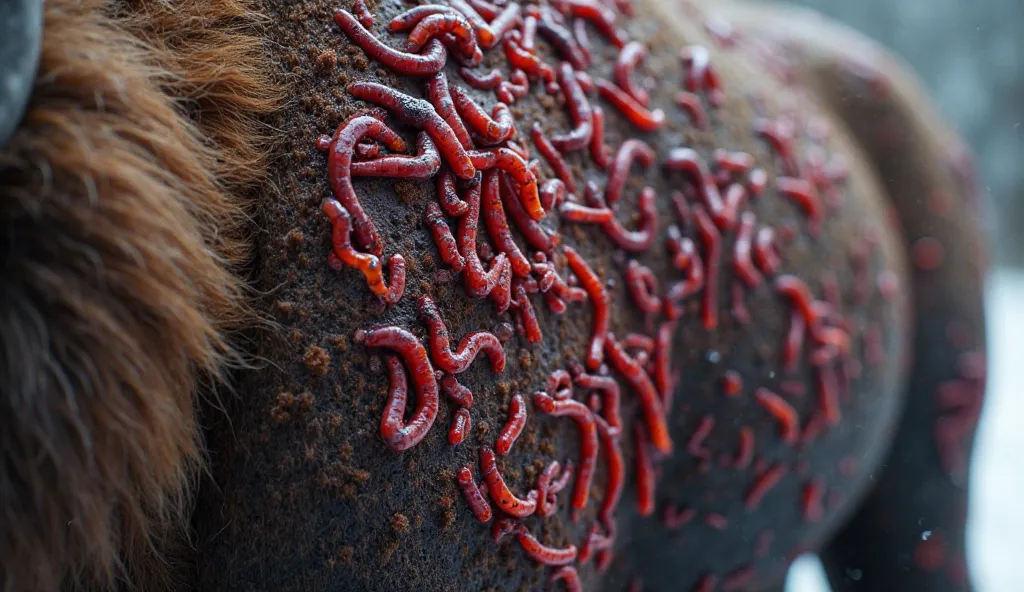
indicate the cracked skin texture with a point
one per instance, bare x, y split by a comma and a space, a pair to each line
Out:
306, 496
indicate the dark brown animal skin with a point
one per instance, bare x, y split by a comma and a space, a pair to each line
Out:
301, 492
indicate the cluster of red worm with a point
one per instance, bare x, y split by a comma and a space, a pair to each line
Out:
482, 168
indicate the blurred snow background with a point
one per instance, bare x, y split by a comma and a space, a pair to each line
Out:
996, 515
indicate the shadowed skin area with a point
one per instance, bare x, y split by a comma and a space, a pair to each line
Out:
847, 434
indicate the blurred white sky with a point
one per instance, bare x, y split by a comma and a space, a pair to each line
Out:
996, 521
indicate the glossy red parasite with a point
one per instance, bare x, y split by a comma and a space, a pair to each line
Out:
514, 426
478, 282
584, 420
684, 254
502, 527
535, 234
723, 211
525, 60
641, 118
479, 506
650, 403
631, 152
629, 56
470, 345
643, 287
397, 434
547, 503
513, 89
512, 164
552, 156
488, 34
574, 212
459, 429
440, 97
456, 393
595, 289
645, 478
488, 81
492, 129
544, 554
443, 238
609, 390
500, 493
732, 384
633, 241
497, 224
562, 40
783, 412
428, 62
442, 25
448, 196
369, 265
420, 167
579, 111
598, 151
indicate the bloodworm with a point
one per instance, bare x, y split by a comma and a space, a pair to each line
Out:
493, 129
695, 445
529, 30
654, 414
783, 412
448, 196
397, 434
629, 56
645, 479
366, 263
762, 484
828, 395
488, 34
646, 121
544, 554
779, 135
690, 103
563, 41
741, 261
588, 440
440, 97
616, 471
643, 287
339, 167
766, 253
810, 499
503, 527
688, 161
513, 89
713, 248
526, 315
533, 232
602, 17
461, 424
552, 194
426, 63
631, 151
598, 151
568, 576
526, 61
410, 18
443, 238
457, 393
579, 110
634, 241
662, 363
732, 383
470, 345
638, 341
514, 426
513, 165
802, 192
421, 114
362, 13
478, 283
497, 225
488, 81
700, 75
546, 501
421, 167
552, 156
686, 259
794, 342
595, 289
481, 509
574, 212
438, 25
745, 452
506, 500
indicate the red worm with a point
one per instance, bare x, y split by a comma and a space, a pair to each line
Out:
513, 165
529, 30
742, 248
552, 194
488, 81
513, 89
598, 150
441, 25
662, 363
503, 527
460, 427
806, 195
739, 579
457, 393
616, 471
783, 412
732, 383
506, 500
690, 103
551, 282
638, 341
638, 240
609, 390
448, 196
645, 478
339, 167
574, 212
695, 445
547, 503
700, 75
631, 151
478, 283
363, 14
426, 63
766, 253
654, 414
440, 97
481, 509
762, 484
646, 121
473, 343
684, 254
681, 208
595, 289
713, 255
588, 440
733, 162
488, 34
497, 225
525, 60
410, 18
422, 166
794, 342
421, 114
828, 395
643, 287
779, 135
745, 453
602, 17
563, 41
568, 576
369, 265
544, 554
443, 238
579, 110
514, 427
526, 315
535, 234
552, 156
629, 56
723, 212
493, 129
397, 434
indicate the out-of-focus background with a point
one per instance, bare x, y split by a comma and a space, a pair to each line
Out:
970, 56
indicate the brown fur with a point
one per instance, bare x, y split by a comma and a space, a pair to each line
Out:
120, 200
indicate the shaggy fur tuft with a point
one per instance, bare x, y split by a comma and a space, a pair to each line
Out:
119, 204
